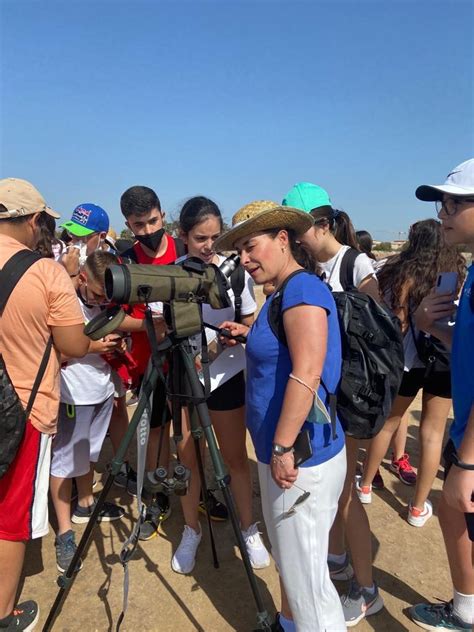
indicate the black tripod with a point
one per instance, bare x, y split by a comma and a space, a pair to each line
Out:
194, 398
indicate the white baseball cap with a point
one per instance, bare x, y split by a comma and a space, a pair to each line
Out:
460, 182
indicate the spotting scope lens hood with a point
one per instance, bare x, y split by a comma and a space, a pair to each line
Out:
104, 323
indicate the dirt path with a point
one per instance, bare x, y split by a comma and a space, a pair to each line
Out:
410, 566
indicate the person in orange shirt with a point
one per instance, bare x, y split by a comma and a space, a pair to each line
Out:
43, 304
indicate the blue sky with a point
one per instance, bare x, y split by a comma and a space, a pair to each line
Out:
238, 101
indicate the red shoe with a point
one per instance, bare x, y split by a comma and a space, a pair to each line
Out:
402, 468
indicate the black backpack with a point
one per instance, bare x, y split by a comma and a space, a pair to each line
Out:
431, 351
372, 357
13, 416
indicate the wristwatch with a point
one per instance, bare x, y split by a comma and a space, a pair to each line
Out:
280, 450
458, 463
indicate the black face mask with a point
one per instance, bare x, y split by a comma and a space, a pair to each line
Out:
153, 240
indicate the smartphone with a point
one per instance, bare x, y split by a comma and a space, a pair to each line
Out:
446, 282
302, 448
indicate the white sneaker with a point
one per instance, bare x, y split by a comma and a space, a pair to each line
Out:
418, 518
258, 554
364, 493
185, 555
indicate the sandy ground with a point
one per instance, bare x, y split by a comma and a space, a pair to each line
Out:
410, 566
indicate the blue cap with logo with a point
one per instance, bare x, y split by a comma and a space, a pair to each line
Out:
87, 219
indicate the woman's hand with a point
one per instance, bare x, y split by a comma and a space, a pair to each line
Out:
235, 329
432, 308
283, 470
458, 489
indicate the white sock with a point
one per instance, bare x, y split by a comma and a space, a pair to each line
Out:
338, 559
463, 607
288, 625
370, 589
123, 468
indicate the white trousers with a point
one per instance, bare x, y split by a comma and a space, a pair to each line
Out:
300, 541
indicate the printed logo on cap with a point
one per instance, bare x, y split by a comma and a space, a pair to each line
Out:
81, 215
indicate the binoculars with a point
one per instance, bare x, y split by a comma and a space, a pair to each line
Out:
159, 481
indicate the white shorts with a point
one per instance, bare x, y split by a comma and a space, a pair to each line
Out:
24, 489
300, 541
81, 433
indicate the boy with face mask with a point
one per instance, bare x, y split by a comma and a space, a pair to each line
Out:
88, 228
142, 211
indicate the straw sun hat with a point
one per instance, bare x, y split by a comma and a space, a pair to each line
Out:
260, 216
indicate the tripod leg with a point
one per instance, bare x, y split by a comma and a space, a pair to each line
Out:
66, 580
202, 476
222, 479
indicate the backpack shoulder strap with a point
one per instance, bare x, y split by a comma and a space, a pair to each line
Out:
180, 247
275, 319
237, 282
12, 272
346, 271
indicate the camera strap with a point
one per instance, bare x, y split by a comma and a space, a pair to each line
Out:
143, 434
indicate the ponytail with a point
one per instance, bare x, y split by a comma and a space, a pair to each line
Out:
343, 230
340, 225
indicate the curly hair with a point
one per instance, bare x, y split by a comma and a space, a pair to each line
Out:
407, 277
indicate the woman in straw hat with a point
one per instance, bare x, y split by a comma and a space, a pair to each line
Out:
299, 503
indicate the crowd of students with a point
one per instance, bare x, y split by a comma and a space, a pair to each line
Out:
314, 516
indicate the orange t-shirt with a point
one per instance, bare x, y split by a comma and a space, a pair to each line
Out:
44, 297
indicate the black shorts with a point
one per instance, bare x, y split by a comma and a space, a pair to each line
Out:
437, 383
448, 453
230, 395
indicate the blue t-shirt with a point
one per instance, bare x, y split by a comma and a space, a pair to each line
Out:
462, 357
269, 365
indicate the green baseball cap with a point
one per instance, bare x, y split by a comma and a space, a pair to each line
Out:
306, 197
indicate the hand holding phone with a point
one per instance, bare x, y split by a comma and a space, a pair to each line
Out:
446, 283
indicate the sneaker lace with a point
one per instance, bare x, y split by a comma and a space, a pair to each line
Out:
252, 534
442, 611
404, 464
354, 592
188, 540
69, 546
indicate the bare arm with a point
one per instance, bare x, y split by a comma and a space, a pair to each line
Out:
131, 324
70, 340
307, 353
370, 286
307, 356
248, 320
458, 489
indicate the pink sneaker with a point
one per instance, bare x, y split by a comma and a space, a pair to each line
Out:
419, 517
403, 469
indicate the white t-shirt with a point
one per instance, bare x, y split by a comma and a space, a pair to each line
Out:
88, 380
363, 268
